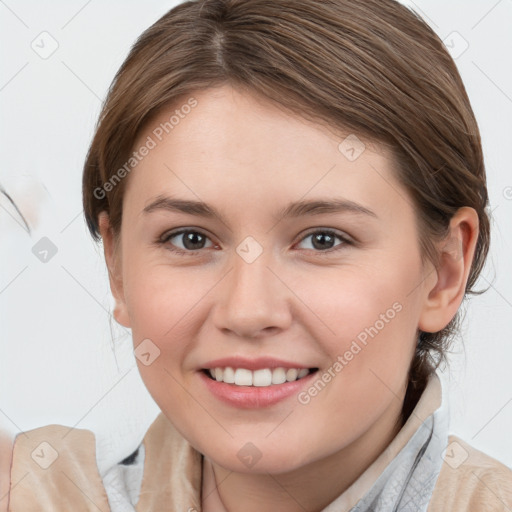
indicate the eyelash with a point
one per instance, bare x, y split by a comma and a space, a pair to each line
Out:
164, 239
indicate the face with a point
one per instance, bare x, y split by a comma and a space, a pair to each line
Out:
266, 281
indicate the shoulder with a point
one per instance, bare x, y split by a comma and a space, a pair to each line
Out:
54, 467
471, 480
5, 467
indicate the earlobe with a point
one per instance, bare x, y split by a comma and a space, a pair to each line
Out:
121, 314
444, 298
112, 260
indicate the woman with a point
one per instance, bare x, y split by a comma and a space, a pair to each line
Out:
292, 202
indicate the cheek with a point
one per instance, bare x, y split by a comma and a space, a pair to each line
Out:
160, 304
161, 299
367, 321
360, 303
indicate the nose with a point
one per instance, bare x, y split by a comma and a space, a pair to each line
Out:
253, 300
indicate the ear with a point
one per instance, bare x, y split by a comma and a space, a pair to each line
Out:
113, 261
447, 287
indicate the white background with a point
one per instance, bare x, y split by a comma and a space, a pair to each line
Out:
61, 359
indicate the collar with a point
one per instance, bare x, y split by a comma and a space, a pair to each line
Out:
403, 477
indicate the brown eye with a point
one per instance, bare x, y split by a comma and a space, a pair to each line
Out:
324, 240
190, 240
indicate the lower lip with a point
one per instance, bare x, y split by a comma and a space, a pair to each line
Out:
253, 397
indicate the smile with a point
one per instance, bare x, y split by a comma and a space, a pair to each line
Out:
263, 377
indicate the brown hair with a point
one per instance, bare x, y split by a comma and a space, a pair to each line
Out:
374, 68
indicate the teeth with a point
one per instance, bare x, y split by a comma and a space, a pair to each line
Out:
302, 373
243, 377
229, 375
292, 374
278, 376
259, 378
262, 377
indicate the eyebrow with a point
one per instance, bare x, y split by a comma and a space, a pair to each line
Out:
295, 209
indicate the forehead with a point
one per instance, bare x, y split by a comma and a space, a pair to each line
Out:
235, 143
226, 115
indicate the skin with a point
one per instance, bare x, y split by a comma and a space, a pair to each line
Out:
249, 158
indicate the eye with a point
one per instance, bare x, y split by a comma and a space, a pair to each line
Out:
190, 239
323, 240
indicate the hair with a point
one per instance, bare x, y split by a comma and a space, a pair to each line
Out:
371, 68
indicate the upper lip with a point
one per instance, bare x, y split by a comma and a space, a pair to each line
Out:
253, 364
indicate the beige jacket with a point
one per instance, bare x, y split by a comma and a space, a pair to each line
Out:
54, 469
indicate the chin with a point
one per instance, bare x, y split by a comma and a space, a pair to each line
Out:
260, 460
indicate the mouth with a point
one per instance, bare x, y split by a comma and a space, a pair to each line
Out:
262, 378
